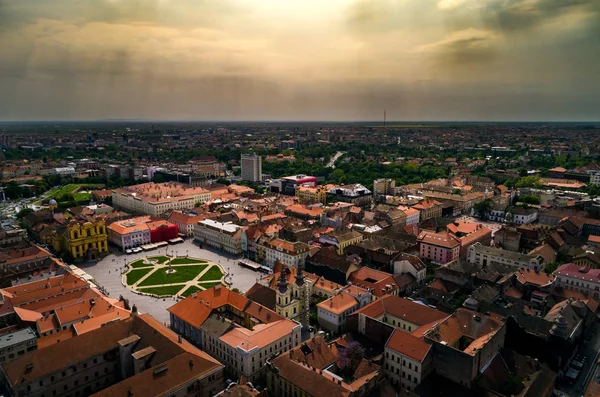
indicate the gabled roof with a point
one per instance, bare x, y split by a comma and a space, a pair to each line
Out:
408, 345
411, 311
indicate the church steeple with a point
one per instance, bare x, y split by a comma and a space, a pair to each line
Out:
300, 275
282, 282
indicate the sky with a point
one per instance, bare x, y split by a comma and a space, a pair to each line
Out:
300, 60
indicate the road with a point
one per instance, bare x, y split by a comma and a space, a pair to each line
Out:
589, 350
331, 163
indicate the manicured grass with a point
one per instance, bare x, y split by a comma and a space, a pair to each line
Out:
210, 285
191, 289
139, 263
214, 273
185, 261
135, 275
183, 274
162, 291
84, 196
160, 259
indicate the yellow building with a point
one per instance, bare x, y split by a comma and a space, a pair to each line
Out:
87, 240
293, 298
308, 194
341, 239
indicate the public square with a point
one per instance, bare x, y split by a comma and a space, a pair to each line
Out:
107, 273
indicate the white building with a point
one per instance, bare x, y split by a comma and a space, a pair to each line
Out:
333, 312
497, 213
251, 167
595, 179
289, 253
408, 359
483, 256
523, 216
412, 215
157, 198
225, 236
576, 278
406, 263
63, 171
129, 233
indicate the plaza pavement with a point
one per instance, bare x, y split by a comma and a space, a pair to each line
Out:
107, 273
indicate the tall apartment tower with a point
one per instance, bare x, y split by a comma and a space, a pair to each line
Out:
383, 187
251, 167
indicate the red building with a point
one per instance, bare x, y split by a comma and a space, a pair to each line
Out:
162, 230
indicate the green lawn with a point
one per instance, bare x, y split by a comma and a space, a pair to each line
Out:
191, 289
210, 285
183, 274
57, 192
160, 259
214, 273
162, 291
139, 263
185, 261
83, 196
135, 275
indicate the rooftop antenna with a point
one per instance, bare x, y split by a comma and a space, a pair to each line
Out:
384, 118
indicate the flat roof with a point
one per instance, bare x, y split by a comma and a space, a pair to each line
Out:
19, 336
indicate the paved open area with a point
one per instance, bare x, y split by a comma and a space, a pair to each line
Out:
107, 273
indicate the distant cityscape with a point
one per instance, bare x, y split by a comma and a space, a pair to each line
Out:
299, 259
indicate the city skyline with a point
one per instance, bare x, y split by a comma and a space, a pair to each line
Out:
242, 60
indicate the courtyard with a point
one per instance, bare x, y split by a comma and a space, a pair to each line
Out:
109, 271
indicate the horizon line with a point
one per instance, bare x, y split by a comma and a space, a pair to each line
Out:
388, 122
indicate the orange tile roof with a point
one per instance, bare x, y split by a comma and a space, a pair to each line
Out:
476, 326
441, 239
27, 315
162, 192
304, 210
402, 308
73, 350
526, 276
339, 303
408, 345
260, 336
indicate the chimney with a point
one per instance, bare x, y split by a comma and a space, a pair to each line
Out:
179, 339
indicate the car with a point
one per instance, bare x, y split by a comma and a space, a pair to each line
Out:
128, 252
577, 364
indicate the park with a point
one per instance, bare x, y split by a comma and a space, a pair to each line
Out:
171, 276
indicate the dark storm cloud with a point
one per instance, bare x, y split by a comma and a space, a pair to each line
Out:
242, 60
519, 15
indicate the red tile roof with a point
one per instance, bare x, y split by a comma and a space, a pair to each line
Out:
408, 345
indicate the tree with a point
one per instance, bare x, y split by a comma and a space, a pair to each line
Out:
530, 199
24, 212
350, 357
551, 267
223, 181
482, 207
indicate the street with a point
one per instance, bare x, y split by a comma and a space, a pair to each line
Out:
331, 163
590, 351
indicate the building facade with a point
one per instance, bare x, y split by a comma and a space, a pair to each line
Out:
576, 278
251, 167
87, 240
442, 247
291, 254
225, 236
483, 256
157, 198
